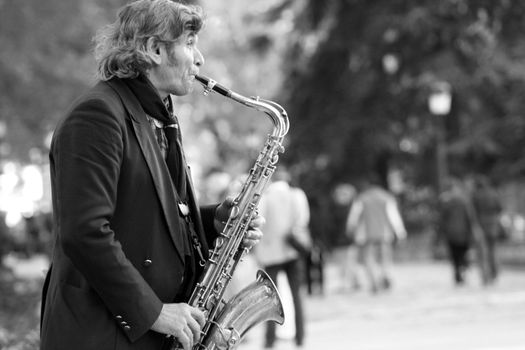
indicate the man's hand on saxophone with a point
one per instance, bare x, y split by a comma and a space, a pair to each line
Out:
182, 321
254, 233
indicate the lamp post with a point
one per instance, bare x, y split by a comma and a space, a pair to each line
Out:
439, 104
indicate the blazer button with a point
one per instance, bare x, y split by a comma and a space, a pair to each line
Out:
124, 323
118, 317
147, 263
127, 328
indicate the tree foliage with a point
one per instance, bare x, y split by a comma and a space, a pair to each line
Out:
354, 76
359, 77
45, 62
345, 87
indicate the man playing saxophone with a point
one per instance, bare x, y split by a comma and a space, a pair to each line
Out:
130, 238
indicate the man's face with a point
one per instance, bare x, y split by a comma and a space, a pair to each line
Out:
179, 64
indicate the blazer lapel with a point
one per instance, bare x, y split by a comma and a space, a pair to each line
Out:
157, 165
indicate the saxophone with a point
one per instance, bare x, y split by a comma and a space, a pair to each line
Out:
226, 323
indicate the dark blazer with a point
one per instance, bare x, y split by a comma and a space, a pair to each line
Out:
119, 250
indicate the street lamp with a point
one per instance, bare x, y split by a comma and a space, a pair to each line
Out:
439, 104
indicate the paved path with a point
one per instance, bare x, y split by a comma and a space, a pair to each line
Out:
423, 311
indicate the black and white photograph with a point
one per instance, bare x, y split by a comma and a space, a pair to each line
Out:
263, 174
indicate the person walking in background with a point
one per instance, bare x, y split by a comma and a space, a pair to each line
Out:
286, 239
350, 263
375, 224
488, 208
456, 226
131, 238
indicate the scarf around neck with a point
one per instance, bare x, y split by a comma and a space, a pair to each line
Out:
149, 98
153, 105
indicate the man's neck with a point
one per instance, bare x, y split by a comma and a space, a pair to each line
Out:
151, 77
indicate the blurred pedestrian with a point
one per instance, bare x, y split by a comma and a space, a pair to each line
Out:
488, 207
457, 226
375, 224
347, 251
285, 243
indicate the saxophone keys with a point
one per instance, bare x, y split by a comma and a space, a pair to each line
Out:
234, 212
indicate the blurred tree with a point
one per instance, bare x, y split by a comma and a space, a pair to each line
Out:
354, 76
44, 63
359, 74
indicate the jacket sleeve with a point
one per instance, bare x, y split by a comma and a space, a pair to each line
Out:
86, 154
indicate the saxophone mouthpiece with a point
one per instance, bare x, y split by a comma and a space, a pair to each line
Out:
211, 85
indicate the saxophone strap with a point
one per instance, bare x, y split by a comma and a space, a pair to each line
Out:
184, 211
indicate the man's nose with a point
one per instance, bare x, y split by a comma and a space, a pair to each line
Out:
198, 58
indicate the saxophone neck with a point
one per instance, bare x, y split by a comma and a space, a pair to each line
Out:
275, 111
279, 117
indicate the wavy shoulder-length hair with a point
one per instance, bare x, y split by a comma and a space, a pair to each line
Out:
120, 49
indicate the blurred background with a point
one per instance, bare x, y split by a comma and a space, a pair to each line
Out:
411, 91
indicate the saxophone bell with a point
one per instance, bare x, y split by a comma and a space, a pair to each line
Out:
258, 302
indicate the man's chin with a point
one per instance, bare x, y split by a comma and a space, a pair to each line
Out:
183, 92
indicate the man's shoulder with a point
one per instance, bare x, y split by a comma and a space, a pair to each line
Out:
277, 192
99, 92
98, 101
102, 90
298, 194
278, 187
377, 193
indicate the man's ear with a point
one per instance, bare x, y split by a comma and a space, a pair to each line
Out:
153, 50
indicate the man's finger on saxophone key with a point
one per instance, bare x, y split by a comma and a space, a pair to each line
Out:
251, 238
184, 338
257, 222
198, 317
